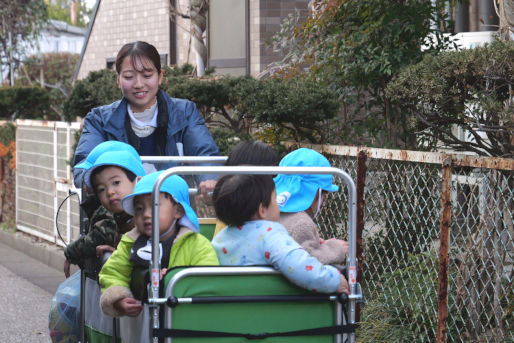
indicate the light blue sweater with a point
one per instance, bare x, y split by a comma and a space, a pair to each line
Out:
262, 242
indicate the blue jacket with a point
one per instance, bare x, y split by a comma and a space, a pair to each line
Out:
183, 124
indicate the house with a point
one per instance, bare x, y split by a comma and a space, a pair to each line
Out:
236, 33
56, 36
59, 36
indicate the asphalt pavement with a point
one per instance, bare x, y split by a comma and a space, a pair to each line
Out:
29, 277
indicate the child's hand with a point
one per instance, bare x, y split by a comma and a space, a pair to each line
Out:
101, 249
343, 286
163, 272
129, 307
67, 268
344, 245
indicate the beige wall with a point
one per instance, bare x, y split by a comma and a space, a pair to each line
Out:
122, 21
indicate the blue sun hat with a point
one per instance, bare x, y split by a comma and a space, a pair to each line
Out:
175, 186
295, 193
100, 149
124, 159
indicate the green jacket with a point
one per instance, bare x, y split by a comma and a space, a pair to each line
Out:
102, 230
189, 249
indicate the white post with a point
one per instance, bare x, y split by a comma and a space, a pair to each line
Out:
55, 182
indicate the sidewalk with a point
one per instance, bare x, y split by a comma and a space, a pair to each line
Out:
39, 262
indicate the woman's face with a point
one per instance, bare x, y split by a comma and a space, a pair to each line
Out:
139, 82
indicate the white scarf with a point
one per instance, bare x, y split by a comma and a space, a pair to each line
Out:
144, 123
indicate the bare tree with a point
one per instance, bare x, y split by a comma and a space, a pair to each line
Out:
197, 14
20, 23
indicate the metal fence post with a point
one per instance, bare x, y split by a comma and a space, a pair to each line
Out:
361, 183
444, 238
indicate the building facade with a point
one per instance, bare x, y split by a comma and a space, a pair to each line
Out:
237, 34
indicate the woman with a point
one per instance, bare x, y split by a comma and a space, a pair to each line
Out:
147, 118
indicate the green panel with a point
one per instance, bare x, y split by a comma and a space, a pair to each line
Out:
95, 336
248, 317
207, 230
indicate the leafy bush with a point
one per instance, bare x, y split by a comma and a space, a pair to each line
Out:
24, 102
97, 89
470, 89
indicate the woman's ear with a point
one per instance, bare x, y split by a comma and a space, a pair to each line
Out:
161, 75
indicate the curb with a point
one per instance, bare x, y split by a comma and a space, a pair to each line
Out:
51, 255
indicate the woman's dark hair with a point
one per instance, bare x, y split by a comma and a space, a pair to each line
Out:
254, 153
237, 197
137, 51
130, 175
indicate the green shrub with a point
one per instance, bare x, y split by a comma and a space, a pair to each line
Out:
24, 102
97, 89
470, 89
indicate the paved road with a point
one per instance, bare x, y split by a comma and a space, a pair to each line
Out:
26, 289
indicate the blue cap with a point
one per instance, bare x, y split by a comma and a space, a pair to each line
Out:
175, 186
123, 159
296, 193
100, 149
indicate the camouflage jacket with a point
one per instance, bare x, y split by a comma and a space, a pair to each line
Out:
102, 231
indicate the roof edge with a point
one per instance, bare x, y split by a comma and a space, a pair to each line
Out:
86, 41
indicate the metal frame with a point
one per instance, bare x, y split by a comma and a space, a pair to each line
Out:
354, 295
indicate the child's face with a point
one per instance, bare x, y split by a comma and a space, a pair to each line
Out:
168, 212
272, 212
111, 186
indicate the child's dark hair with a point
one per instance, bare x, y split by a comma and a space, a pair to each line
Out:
254, 153
237, 197
130, 175
137, 51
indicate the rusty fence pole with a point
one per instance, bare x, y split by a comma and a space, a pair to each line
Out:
444, 238
361, 183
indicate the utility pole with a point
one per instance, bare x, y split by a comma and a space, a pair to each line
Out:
11, 66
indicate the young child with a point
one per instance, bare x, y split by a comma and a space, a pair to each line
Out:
247, 203
253, 153
299, 199
105, 227
179, 239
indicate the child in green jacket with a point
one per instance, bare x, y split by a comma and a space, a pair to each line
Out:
181, 244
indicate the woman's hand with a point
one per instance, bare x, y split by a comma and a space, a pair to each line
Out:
128, 307
204, 188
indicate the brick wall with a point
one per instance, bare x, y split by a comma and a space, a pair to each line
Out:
265, 19
122, 21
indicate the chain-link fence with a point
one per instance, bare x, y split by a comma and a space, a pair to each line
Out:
435, 243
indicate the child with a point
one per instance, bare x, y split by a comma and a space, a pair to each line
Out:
299, 199
247, 203
254, 153
180, 242
105, 227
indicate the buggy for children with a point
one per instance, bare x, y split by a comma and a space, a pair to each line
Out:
234, 304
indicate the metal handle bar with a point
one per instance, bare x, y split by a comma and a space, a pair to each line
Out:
222, 170
184, 159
